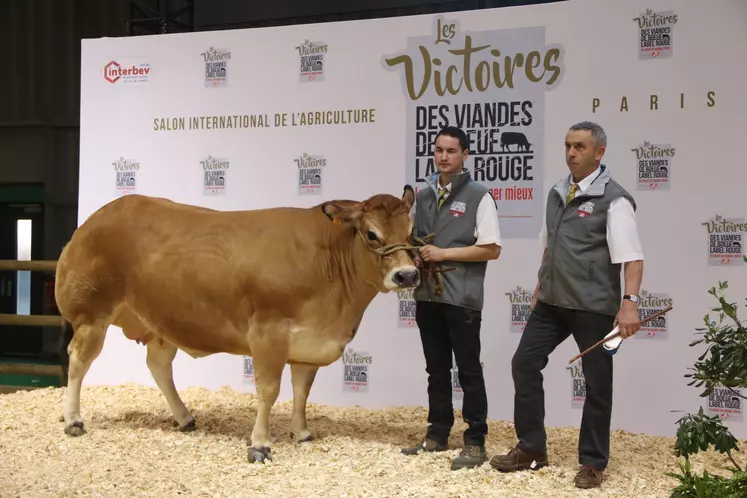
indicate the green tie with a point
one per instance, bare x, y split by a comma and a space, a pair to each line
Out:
572, 192
442, 197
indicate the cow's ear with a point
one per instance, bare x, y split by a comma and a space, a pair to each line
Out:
343, 213
408, 196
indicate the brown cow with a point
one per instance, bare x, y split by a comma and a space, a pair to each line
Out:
283, 285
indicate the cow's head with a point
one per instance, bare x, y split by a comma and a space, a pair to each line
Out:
381, 222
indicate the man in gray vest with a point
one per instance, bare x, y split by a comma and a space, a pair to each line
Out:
590, 232
464, 218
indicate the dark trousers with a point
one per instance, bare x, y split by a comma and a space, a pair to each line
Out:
546, 328
445, 328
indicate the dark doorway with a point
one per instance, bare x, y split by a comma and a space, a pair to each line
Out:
22, 292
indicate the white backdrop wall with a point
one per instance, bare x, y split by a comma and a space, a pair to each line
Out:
231, 120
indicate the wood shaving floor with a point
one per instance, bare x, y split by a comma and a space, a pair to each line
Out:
132, 449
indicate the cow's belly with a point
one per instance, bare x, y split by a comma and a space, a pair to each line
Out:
196, 337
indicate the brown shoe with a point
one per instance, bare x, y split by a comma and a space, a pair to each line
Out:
589, 477
517, 459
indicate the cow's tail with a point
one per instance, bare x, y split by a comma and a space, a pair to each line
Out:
65, 348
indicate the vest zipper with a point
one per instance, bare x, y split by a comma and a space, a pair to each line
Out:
552, 256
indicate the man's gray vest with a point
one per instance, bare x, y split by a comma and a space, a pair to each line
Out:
578, 272
454, 226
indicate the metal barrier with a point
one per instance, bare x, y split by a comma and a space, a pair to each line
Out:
46, 320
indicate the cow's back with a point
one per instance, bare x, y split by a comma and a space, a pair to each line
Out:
108, 248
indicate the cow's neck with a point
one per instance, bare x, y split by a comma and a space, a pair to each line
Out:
368, 274
356, 268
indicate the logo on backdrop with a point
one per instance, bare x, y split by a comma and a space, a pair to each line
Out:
249, 370
125, 180
127, 73
578, 384
654, 163
406, 310
356, 370
726, 404
215, 171
725, 241
457, 392
520, 300
310, 173
648, 305
655, 34
312, 59
216, 67
492, 85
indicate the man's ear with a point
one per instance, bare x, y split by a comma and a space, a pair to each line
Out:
408, 196
343, 212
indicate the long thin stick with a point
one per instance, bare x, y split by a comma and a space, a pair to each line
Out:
580, 355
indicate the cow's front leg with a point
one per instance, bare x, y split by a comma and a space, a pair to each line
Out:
302, 376
268, 370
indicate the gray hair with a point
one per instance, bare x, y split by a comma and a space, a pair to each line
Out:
597, 132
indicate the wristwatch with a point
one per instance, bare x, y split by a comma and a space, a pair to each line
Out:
631, 297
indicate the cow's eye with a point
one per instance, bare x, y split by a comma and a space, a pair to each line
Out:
372, 235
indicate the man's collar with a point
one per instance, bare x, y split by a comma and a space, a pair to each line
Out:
584, 184
457, 178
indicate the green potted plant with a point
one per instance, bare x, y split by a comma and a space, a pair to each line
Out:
723, 365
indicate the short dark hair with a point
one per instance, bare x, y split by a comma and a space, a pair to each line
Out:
597, 132
453, 131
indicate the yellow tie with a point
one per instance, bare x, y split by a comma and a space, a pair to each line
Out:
442, 197
572, 192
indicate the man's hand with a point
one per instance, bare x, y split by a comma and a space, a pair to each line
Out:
628, 320
432, 253
418, 262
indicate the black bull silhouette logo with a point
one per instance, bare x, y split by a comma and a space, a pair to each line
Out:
509, 138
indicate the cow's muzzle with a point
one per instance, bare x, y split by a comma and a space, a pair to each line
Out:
406, 278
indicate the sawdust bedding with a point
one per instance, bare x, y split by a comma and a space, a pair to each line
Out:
132, 449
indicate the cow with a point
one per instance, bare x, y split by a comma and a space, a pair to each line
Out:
509, 138
286, 286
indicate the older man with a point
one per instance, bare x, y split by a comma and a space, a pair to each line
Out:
590, 233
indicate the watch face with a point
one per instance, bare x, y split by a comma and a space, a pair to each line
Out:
633, 298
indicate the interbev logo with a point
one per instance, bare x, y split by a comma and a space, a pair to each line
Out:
127, 72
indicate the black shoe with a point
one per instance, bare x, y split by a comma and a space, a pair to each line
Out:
428, 445
470, 457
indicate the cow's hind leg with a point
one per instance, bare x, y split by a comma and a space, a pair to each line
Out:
160, 356
85, 346
302, 376
268, 370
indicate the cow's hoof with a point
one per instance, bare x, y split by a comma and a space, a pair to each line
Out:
188, 427
306, 439
259, 455
75, 429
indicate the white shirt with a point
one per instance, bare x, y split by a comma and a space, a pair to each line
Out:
622, 228
487, 230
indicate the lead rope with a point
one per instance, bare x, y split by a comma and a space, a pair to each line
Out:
434, 270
